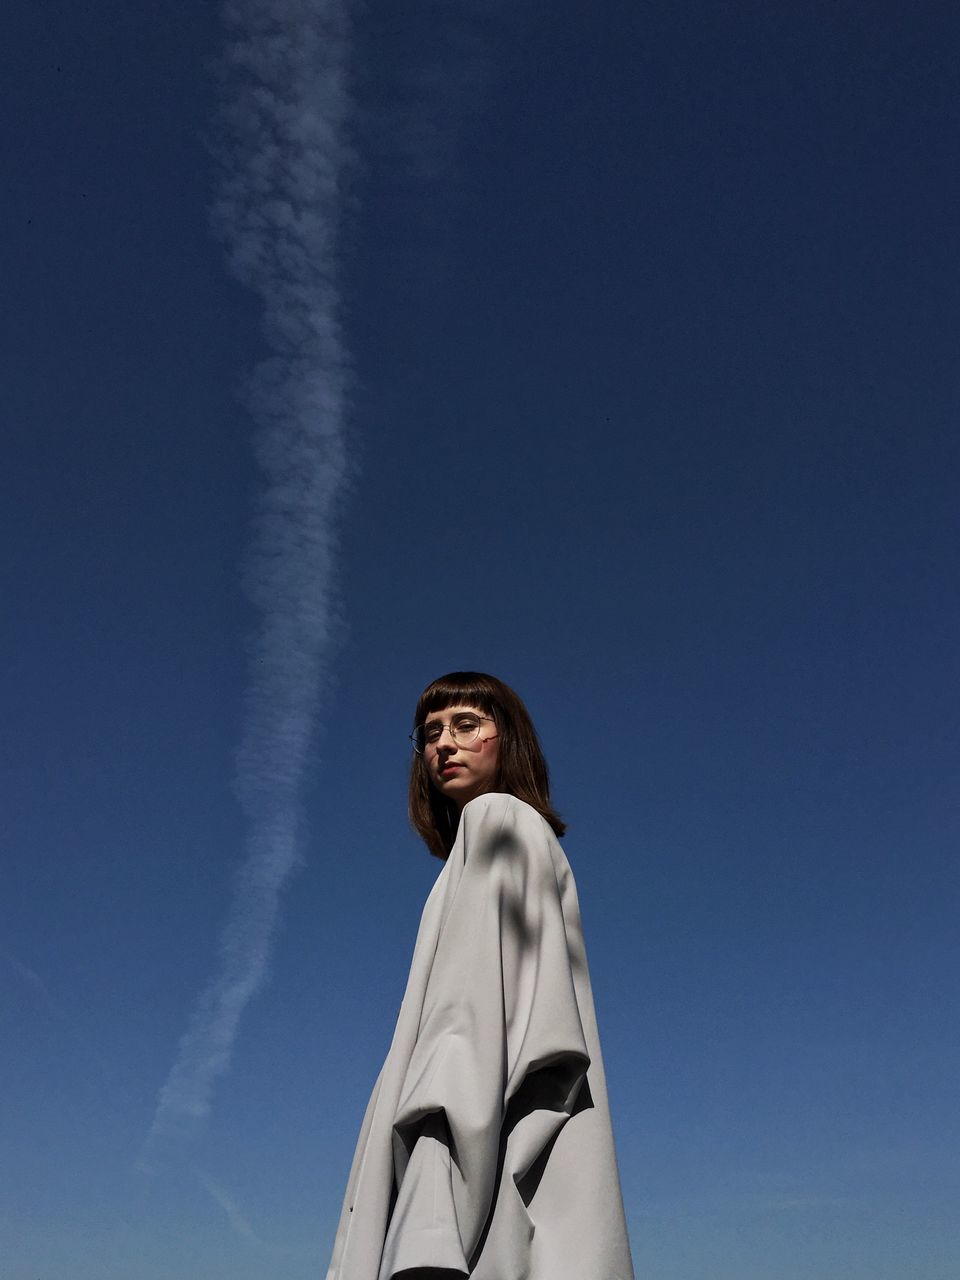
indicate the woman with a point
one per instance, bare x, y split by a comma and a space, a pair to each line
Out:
486, 1149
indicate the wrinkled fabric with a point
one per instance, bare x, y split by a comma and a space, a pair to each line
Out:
486, 1149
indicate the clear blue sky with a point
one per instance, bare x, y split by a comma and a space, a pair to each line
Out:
652, 316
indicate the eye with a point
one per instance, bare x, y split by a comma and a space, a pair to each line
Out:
432, 731
467, 721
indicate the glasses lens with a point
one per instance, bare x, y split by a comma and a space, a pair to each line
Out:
465, 728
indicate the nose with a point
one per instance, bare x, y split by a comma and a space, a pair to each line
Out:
450, 744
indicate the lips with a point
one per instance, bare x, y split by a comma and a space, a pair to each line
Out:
449, 768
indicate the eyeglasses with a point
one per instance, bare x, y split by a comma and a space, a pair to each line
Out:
464, 729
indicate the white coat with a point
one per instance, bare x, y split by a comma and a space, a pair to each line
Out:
486, 1149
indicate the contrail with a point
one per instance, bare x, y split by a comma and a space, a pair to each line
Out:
282, 153
229, 1206
53, 1007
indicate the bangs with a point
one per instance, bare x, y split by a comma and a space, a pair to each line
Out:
466, 688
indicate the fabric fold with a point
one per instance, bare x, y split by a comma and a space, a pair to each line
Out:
495, 1060
500, 1008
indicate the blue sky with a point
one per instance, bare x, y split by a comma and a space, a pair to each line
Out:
650, 316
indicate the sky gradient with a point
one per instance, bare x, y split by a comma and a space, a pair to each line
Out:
649, 321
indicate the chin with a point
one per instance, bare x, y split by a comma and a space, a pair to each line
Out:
459, 794
456, 790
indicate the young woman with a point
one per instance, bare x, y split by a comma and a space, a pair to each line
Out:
486, 1149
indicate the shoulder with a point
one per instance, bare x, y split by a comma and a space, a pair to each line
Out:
498, 825
501, 806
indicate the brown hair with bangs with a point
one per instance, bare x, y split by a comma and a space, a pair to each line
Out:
521, 767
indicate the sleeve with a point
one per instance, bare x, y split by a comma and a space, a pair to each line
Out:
500, 1038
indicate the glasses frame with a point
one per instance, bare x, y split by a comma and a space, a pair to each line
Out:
449, 725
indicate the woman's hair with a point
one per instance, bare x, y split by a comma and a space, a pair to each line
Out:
521, 768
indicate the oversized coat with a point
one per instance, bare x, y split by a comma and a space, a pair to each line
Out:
486, 1149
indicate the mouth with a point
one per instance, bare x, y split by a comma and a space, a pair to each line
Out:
449, 769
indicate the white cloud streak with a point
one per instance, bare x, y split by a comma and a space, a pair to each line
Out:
234, 1214
59, 1013
33, 980
282, 153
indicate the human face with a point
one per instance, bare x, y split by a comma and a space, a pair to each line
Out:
461, 771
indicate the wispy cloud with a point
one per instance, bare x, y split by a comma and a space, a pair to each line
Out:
282, 153
235, 1217
33, 980
306, 1255
437, 72
59, 1013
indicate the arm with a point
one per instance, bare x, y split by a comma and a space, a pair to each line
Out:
500, 1014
